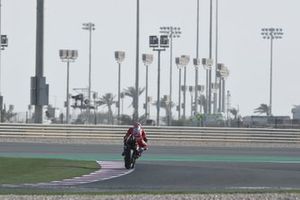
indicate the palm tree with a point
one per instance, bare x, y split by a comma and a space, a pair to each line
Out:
131, 92
165, 104
122, 96
263, 109
107, 100
7, 115
234, 112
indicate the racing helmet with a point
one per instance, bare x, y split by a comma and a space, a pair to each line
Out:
136, 125
136, 128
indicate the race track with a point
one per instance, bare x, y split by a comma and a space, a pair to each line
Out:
164, 168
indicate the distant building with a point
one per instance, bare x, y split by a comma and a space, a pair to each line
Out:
262, 121
296, 112
255, 121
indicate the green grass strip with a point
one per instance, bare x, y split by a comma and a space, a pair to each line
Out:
164, 157
36, 170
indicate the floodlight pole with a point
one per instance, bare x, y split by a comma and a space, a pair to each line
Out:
210, 57
147, 59
185, 61
220, 95
179, 94
146, 99
191, 104
159, 50
197, 57
169, 116
119, 89
67, 95
223, 74
119, 56
271, 76
90, 70
207, 63
223, 94
90, 27
68, 56
159, 46
207, 91
220, 78
184, 92
136, 97
271, 33
215, 110
196, 90
158, 90
182, 62
172, 32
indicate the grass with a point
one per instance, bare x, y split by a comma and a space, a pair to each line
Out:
34, 170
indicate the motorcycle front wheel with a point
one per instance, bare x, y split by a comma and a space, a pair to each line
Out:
127, 158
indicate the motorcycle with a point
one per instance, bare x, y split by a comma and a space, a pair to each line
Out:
130, 152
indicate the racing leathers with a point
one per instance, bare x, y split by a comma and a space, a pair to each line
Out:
140, 136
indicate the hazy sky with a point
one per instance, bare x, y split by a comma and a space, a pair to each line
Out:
241, 48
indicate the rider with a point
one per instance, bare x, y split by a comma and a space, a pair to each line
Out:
139, 134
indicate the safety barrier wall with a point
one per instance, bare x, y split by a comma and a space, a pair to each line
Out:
114, 132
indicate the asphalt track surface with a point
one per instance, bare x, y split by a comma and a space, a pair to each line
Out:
180, 169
